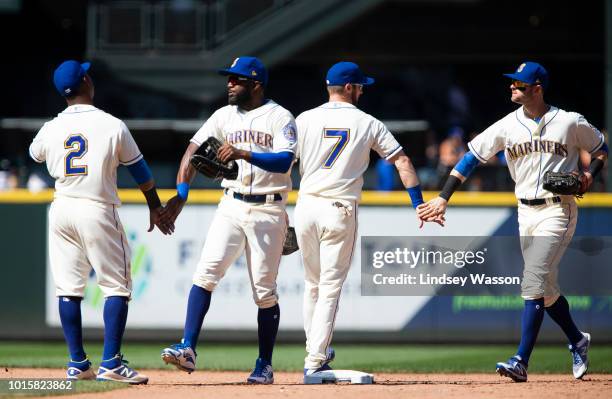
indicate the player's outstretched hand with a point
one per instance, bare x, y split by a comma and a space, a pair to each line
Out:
586, 180
440, 219
228, 153
172, 209
432, 209
155, 219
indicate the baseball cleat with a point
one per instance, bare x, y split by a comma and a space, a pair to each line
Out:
181, 356
514, 368
116, 369
580, 359
331, 355
262, 373
80, 370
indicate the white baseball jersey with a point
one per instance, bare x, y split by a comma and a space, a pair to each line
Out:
532, 148
334, 142
269, 128
83, 146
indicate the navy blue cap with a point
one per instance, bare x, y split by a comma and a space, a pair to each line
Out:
67, 77
347, 72
530, 72
248, 67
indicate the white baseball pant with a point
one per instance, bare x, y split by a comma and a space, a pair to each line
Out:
326, 231
257, 228
85, 234
546, 231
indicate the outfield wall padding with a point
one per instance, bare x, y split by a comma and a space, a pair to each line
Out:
162, 269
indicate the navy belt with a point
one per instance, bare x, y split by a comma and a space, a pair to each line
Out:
261, 198
539, 201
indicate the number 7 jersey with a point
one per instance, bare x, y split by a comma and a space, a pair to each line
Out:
83, 146
334, 143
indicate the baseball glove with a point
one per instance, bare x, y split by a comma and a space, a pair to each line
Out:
205, 161
562, 183
290, 245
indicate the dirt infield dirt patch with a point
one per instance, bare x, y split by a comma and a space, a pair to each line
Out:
202, 384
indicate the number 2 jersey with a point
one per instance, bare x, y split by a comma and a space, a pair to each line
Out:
533, 148
334, 143
83, 146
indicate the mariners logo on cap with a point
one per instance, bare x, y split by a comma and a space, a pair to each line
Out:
254, 73
235, 62
520, 68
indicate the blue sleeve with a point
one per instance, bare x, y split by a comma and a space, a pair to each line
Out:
467, 164
140, 171
604, 148
502, 157
277, 162
416, 196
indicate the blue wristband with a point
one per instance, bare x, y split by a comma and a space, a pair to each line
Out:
416, 196
182, 190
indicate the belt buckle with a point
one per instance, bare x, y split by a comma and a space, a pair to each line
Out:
272, 198
550, 201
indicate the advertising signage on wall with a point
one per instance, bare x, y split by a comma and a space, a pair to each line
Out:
162, 270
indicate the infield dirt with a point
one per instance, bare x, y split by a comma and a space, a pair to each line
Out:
203, 384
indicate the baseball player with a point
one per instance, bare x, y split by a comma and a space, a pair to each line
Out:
334, 143
536, 138
83, 146
251, 217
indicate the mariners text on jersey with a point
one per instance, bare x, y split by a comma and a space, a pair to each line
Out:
250, 136
269, 128
526, 148
534, 147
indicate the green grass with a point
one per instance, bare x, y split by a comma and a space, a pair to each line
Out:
375, 358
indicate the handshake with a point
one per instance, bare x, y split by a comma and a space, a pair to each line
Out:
158, 217
163, 217
432, 211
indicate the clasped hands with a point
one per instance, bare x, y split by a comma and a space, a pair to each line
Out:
432, 211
